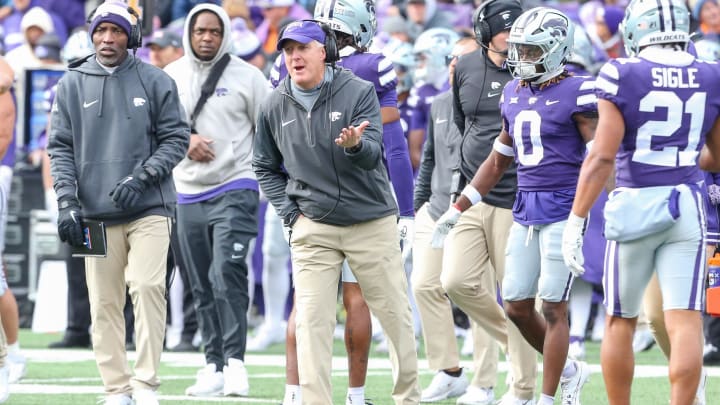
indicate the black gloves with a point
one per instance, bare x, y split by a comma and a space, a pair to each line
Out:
69, 227
127, 191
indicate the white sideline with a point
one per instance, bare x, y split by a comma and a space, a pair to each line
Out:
377, 367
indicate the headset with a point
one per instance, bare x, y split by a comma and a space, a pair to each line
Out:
483, 33
135, 36
332, 54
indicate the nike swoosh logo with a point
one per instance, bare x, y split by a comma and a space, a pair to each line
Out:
548, 102
288, 123
439, 121
86, 104
493, 94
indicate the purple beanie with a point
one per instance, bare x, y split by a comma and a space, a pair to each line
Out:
115, 12
612, 16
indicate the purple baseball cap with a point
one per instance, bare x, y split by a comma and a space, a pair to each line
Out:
302, 31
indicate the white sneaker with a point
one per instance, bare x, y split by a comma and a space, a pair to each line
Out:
477, 396
208, 383
266, 335
700, 393
572, 386
292, 398
510, 399
17, 363
444, 386
382, 346
4, 383
467, 347
118, 399
643, 340
236, 379
356, 400
576, 350
145, 397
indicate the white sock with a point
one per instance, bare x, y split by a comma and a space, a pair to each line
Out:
546, 400
292, 395
570, 369
579, 305
356, 395
14, 348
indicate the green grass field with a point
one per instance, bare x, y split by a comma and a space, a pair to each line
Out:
69, 377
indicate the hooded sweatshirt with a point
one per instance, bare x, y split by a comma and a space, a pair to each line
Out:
321, 180
105, 125
15, 33
228, 117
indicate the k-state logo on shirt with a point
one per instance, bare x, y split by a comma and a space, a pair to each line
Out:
221, 91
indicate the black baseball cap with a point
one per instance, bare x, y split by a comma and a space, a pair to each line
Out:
165, 38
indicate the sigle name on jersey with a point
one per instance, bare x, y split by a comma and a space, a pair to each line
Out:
676, 78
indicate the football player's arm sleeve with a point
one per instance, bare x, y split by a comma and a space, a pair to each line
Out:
399, 167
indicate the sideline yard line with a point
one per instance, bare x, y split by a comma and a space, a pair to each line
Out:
67, 390
339, 363
640, 372
189, 377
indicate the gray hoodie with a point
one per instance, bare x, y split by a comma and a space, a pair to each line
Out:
228, 118
321, 180
105, 125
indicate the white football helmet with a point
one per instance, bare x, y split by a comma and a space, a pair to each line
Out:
78, 45
431, 49
655, 22
401, 55
582, 51
352, 17
540, 41
707, 49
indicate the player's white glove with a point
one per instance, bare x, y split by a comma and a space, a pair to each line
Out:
572, 244
406, 230
714, 194
443, 226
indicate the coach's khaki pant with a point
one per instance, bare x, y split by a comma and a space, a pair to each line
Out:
475, 248
436, 312
137, 257
372, 250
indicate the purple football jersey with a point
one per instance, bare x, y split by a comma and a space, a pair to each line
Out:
421, 97
548, 148
372, 67
669, 102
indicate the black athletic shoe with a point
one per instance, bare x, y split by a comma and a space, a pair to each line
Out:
71, 342
712, 357
184, 346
